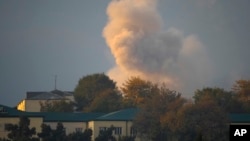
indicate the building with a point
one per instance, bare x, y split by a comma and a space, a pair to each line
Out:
11, 115
33, 100
240, 119
121, 120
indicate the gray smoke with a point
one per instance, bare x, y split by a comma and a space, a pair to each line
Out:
142, 47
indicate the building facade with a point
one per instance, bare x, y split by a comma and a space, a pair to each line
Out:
33, 100
122, 121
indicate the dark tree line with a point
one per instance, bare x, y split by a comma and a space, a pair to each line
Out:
22, 132
165, 114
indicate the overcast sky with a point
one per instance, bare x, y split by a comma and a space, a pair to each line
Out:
41, 39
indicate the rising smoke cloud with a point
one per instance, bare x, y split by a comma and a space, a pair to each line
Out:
142, 47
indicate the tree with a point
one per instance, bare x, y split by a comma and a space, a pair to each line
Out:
126, 138
46, 134
49, 134
203, 120
106, 135
241, 88
57, 106
80, 136
135, 91
21, 131
148, 121
224, 99
107, 101
89, 87
59, 133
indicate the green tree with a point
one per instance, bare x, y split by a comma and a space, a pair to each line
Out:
225, 99
57, 106
59, 133
126, 138
46, 133
89, 87
21, 131
4, 139
108, 100
135, 91
241, 88
106, 135
202, 120
80, 136
148, 121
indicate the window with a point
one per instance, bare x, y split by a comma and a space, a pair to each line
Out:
6, 125
118, 130
78, 129
101, 129
2, 127
3, 110
133, 132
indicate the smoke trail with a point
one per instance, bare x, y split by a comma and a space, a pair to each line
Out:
141, 47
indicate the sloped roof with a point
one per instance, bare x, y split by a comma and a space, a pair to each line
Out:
33, 94
239, 118
6, 111
62, 93
55, 94
70, 117
49, 116
46, 96
122, 115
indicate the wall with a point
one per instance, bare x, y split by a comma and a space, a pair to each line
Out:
34, 122
125, 125
70, 127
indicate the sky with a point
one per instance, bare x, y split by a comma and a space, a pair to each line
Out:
189, 44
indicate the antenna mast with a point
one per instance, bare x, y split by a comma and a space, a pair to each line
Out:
55, 81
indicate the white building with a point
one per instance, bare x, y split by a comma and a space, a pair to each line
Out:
33, 100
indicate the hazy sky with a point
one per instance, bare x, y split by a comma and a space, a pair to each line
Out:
41, 39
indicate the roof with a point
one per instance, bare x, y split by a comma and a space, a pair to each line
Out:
122, 115
6, 111
55, 94
70, 117
46, 96
240, 118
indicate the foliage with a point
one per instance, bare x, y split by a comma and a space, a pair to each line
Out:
106, 135
224, 99
242, 90
135, 91
126, 138
4, 139
57, 106
21, 131
148, 121
205, 119
107, 101
80, 136
59, 134
46, 133
89, 87
49, 134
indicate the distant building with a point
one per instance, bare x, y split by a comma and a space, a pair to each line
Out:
73, 122
239, 119
33, 100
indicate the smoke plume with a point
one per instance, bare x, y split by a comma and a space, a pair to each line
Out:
142, 47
